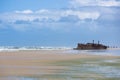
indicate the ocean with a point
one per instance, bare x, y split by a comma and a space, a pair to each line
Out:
112, 52
69, 50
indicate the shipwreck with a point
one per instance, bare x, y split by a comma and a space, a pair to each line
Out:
90, 46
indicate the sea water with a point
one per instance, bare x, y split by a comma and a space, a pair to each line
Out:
112, 52
14, 48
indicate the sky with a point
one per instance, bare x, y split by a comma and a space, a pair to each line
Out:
59, 22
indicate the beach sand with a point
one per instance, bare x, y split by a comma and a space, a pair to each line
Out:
57, 65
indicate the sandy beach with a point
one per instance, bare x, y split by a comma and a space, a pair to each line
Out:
56, 65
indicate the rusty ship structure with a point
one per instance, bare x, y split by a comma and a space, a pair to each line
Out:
90, 46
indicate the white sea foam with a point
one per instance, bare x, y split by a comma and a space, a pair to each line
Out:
12, 48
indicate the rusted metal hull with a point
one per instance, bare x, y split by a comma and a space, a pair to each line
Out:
90, 46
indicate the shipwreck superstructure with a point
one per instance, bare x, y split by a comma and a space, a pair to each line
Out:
90, 46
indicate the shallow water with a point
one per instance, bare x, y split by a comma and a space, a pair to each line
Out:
112, 52
78, 69
82, 70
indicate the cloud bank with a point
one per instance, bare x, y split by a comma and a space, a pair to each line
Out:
105, 14
41, 15
105, 3
46, 17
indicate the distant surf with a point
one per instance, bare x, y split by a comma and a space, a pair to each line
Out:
13, 48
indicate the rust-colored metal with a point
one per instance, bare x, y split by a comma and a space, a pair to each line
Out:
90, 46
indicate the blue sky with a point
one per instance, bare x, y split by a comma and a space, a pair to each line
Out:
59, 22
13, 5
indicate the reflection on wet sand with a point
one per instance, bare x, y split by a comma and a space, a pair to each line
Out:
51, 65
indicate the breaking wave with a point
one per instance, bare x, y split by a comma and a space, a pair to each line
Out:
12, 48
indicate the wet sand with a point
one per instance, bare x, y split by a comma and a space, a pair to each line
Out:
57, 65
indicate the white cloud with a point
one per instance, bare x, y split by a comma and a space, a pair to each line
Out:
83, 15
25, 12
42, 15
19, 20
105, 3
42, 11
109, 3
